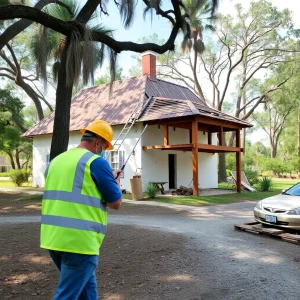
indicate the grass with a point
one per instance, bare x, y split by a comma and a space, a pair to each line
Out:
10, 185
278, 185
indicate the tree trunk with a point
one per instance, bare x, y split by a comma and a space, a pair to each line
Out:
12, 162
60, 137
18, 159
273, 149
222, 176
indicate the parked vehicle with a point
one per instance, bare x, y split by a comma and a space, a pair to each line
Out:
282, 210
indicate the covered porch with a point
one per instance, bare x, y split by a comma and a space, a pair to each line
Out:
195, 125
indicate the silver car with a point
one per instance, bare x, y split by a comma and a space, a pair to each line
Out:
281, 210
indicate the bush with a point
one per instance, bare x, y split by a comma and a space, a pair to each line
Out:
4, 174
266, 174
19, 177
252, 176
265, 184
151, 190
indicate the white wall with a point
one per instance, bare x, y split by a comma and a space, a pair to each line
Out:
41, 147
155, 162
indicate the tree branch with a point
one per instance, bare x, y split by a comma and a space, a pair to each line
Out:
18, 11
21, 25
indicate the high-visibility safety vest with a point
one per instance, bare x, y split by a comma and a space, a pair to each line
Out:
74, 219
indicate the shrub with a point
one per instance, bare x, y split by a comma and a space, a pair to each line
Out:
19, 177
4, 174
266, 174
151, 190
252, 176
265, 184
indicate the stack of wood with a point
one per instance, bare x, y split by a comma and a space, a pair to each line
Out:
185, 191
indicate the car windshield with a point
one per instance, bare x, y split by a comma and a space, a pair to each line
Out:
294, 190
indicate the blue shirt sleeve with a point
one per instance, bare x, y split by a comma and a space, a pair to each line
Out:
104, 179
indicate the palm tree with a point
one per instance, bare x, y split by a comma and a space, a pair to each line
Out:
201, 15
84, 56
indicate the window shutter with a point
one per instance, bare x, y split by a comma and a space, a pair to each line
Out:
47, 160
121, 161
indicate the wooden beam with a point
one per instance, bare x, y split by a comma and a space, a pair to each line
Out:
238, 138
238, 171
209, 139
169, 147
221, 136
217, 148
166, 135
195, 158
217, 122
238, 162
200, 147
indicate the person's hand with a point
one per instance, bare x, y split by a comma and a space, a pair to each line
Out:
117, 174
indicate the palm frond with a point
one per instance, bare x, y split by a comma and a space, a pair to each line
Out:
215, 4
67, 13
74, 56
127, 10
112, 68
42, 54
87, 57
199, 46
55, 70
152, 6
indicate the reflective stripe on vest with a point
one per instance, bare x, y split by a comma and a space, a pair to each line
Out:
73, 223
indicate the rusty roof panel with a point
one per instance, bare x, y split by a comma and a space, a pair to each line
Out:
163, 108
169, 101
94, 103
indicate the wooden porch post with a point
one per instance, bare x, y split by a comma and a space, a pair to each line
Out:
221, 136
209, 138
195, 157
166, 135
238, 162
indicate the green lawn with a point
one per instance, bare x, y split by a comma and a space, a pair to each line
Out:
278, 186
10, 185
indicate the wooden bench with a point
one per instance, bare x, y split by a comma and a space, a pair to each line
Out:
160, 185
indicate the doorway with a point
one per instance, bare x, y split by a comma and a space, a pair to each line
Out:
172, 171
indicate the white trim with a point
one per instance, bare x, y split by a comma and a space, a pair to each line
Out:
149, 52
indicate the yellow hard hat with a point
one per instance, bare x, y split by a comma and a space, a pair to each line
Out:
102, 129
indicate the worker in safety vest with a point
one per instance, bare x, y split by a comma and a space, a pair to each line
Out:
79, 186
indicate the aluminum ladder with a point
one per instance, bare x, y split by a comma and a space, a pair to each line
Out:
135, 115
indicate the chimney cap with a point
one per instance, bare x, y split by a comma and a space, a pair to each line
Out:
149, 53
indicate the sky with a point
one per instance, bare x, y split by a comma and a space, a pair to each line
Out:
161, 27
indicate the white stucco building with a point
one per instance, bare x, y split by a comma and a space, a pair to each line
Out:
179, 145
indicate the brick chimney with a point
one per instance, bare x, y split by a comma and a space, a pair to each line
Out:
149, 63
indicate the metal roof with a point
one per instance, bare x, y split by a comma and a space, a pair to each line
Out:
170, 100
165, 108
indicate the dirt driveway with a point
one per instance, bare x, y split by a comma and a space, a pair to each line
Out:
155, 253
135, 263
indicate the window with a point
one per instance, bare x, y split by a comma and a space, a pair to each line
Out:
116, 160
47, 160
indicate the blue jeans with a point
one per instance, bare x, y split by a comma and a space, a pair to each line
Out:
77, 276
